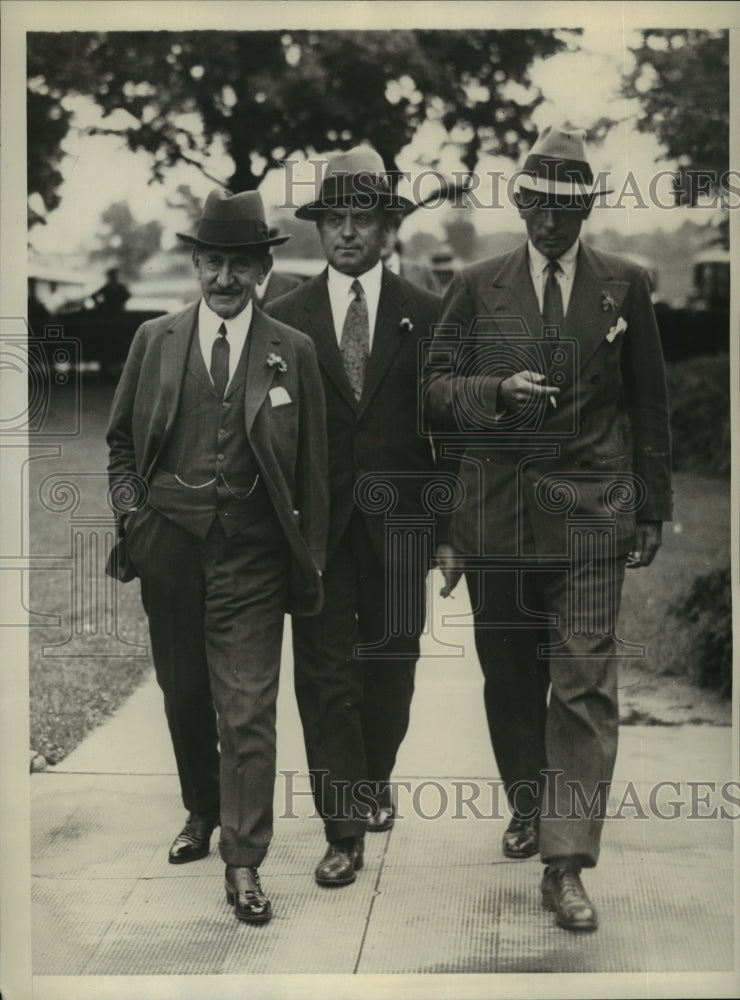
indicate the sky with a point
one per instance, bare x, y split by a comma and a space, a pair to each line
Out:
579, 87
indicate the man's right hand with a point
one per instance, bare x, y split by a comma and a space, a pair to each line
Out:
519, 390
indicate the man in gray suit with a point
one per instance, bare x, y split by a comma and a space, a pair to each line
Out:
548, 375
218, 423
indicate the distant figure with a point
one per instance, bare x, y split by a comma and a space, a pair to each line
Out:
276, 283
37, 313
392, 257
113, 295
444, 267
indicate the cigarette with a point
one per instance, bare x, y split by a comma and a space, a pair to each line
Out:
553, 403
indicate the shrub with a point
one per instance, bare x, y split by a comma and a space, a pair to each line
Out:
699, 396
704, 638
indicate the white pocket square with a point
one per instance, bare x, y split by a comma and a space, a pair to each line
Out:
619, 327
279, 396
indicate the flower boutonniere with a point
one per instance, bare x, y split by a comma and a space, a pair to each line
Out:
275, 361
405, 326
607, 302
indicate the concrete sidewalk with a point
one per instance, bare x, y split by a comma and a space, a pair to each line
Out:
436, 894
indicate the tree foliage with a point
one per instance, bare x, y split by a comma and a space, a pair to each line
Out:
681, 79
264, 95
125, 243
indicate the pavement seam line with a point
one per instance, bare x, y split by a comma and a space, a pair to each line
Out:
376, 889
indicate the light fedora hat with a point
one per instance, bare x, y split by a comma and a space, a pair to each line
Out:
233, 222
355, 178
558, 165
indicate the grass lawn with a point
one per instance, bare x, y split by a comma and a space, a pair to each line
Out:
82, 668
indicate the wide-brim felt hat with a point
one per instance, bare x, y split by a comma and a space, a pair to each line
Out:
557, 165
357, 179
233, 222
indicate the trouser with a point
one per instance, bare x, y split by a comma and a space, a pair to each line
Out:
216, 609
355, 706
541, 632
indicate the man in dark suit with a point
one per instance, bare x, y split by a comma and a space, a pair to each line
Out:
276, 284
548, 375
396, 261
218, 424
355, 661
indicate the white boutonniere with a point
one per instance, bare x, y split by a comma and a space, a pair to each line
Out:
405, 326
275, 361
619, 327
607, 302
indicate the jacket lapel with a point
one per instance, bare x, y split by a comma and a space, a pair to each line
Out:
511, 299
590, 314
319, 323
174, 360
387, 337
262, 340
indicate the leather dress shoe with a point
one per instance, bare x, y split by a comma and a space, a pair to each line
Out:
342, 859
194, 840
564, 895
244, 893
381, 818
521, 839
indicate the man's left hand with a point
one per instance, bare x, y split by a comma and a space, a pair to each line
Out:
647, 543
445, 559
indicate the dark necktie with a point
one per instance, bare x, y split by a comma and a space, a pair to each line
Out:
355, 343
220, 362
552, 299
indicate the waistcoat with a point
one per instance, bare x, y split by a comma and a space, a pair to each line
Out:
207, 468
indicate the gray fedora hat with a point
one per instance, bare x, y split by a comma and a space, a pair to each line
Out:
356, 178
557, 165
233, 222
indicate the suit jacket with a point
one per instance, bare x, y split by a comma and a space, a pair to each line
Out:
602, 452
288, 439
381, 434
278, 284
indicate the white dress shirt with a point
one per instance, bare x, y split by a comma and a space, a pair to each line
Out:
538, 270
237, 328
341, 295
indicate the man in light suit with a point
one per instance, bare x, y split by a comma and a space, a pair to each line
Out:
355, 661
548, 375
218, 425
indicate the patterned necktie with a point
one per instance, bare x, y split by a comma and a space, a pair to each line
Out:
552, 299
355, 343
220, 362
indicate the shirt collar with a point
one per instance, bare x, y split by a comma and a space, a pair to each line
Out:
538, 261
209, 322
370, 281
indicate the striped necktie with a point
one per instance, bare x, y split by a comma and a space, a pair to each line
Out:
355, 343
220, 362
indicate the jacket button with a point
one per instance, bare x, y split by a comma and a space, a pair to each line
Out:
595, 379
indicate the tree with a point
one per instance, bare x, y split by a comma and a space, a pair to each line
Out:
681, 79
267, 94
124, 242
